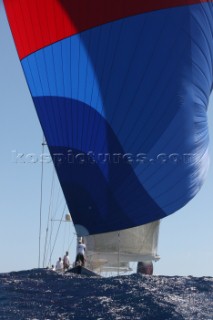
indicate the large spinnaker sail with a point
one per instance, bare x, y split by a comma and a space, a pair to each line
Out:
121, 89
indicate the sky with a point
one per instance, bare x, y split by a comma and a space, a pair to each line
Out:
185, 239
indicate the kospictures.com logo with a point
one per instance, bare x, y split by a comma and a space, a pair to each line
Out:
91, 157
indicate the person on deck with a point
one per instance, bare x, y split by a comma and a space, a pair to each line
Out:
59, 265
66, 261
80, 258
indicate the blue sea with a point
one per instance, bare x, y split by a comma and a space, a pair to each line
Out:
41, 294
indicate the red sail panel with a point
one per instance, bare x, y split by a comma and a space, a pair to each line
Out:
43, 22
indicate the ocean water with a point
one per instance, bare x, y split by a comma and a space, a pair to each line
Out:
41, 294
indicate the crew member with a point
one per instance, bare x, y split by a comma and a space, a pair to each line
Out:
80, 258
59, 265
66, 261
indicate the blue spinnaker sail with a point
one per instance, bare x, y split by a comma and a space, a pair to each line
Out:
121, 91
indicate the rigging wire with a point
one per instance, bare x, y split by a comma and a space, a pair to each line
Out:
57, 234
48, 219
52, 219
41, 201
64, 238
67, 241
69, 246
